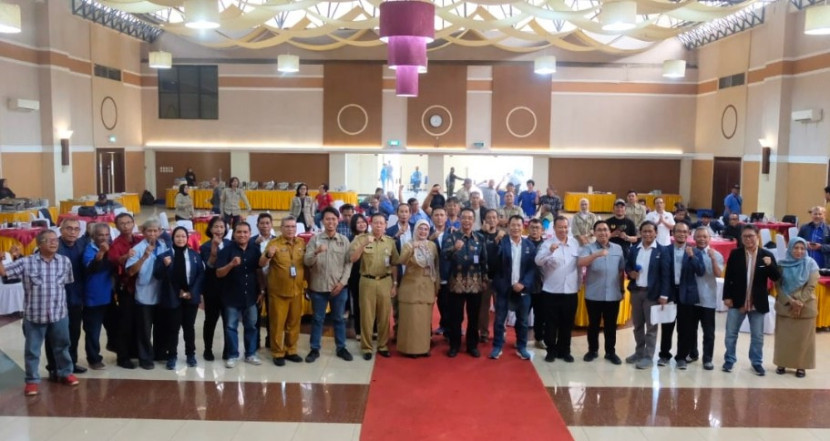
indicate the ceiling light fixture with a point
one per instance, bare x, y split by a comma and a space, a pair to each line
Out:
544, 65
288, 63
618, 16
674, 68
407, 27
201, 14
161, 60
10, 18
817, 20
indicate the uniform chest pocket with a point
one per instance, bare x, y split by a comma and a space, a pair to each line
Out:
36, 279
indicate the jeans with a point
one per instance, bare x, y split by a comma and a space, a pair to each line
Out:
319, 301
248, 316
57, 334
93, 320
74, 320
734, 318
521, 304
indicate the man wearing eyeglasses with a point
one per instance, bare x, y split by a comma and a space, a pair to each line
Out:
71, 245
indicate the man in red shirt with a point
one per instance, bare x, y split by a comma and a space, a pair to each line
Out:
121, 250
323, 200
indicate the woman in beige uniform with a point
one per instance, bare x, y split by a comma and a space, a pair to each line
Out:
417, 292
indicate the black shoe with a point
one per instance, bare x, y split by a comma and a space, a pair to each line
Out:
384, 354
568, 358
344, 354
79, 370
550, 357
126, 364
147, 365
452, 353
312, 356
474, 352
613, 358
208, 355
781, 370
367, 356
110, 347
294, 357
279, 361
800, 373
590, 356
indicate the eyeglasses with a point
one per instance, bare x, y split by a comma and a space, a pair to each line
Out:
72, 228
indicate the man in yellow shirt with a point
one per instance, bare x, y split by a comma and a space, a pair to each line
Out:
286, 286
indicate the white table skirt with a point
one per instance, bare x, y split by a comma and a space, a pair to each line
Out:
769, 319
11, 298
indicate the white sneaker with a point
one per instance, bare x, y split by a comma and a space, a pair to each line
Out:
231, 363
254, 360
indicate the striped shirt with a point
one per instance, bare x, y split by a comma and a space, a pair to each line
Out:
44, 286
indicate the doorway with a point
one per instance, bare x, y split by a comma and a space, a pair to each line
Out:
727, 173
110, 164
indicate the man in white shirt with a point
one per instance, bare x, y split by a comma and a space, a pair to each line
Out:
663, 220
557, 258
643, 269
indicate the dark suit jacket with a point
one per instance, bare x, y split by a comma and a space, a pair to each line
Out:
714, 224
734, 284
806, 233
686, 292
527, 268
169, 295
443, 264
654, 269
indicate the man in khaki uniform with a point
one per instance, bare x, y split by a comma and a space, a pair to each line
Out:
286, 279
378, 283
633, 209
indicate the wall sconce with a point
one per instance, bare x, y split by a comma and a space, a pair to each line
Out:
766, 152
65, 135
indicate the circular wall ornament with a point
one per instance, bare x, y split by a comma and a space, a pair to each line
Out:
507, 122
434, 111
365, 119
109, 113
729, 121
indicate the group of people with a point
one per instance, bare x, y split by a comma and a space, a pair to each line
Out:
145, 288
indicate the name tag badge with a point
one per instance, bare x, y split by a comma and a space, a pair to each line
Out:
386, 261
293, 271
475, 259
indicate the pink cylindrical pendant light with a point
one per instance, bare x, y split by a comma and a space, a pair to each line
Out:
406, 81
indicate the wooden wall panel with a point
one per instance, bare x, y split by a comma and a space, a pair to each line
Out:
614, 175
701, 194
521, 107
24, 174
84, 174
442, 91
313, 169
205, 164
804, 189
750, 174
352, 104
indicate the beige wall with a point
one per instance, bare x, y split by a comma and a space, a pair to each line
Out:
23, 174
701, 188
750, 172
134, 179
84, 175
804, 189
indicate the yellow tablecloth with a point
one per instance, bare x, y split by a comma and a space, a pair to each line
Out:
260, 199
582, 311
669, 199
23, 216
598, 203
130, 201
823, 303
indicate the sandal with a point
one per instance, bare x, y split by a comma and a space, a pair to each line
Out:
781, 370
800, 373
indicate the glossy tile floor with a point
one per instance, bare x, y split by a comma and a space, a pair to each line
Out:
326, 400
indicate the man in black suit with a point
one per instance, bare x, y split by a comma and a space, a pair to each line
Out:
748, 271
643, 268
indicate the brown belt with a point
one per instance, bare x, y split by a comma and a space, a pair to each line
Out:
374, 277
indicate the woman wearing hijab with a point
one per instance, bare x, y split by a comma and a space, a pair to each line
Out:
184, 204
583, 224
416, 294
301, 207
181, 273
796, 311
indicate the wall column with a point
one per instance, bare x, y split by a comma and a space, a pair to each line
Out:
240, 166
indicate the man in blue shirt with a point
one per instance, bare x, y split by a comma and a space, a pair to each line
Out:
416, 179
529, 199
97, 293
817, 234
733, 202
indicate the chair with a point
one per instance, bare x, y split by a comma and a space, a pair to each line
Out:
165, 223
790, 219
83, 226
74, 209
337, 204
300, 228
780, 248
792, 232
44, 213
766, 237
252, 220
32, 217
743, 218
393, 219
120, 210
185, 223
114, 233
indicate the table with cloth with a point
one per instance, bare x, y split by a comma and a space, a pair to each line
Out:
279, 200
669, 199
823, 302
25, 215
11, 298
108, 218
23, 238
130, 201
776, 228
200, 224
597, 203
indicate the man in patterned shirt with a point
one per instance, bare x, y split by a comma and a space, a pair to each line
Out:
45, 276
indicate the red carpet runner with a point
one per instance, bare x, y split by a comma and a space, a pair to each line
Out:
440, 398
